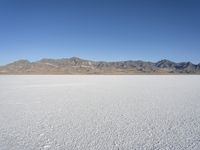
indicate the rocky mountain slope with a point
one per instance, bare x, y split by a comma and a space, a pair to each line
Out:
76, 65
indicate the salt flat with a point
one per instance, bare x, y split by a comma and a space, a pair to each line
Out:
99, 112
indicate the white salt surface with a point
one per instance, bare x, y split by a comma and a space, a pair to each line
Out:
99, 112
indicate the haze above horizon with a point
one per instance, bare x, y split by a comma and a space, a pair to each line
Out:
108, 30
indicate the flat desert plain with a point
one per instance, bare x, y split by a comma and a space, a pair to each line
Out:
99, 112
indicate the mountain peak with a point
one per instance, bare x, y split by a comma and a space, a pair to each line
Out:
76, 65
165, 63
21, 61
75, 58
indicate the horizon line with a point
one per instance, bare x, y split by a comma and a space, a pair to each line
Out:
97, 60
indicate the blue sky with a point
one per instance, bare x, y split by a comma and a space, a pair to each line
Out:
100, 29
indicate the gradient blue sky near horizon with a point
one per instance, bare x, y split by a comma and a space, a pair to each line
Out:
109, 30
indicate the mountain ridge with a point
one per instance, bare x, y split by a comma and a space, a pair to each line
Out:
76, 65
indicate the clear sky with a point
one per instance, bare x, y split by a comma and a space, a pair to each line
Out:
100, 29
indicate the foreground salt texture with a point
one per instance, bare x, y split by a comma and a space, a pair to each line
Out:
99, 112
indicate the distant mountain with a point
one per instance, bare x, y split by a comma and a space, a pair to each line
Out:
76, 65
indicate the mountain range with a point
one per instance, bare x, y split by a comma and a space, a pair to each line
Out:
77, 65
